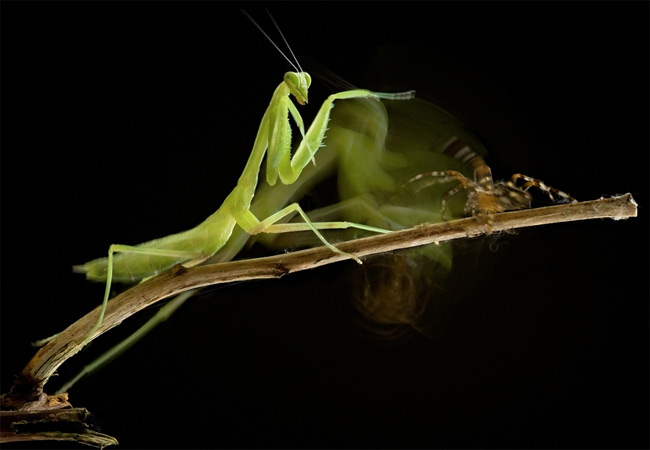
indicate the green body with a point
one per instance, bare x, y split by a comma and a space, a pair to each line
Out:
191, 247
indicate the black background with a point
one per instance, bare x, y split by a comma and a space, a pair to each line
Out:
128, 121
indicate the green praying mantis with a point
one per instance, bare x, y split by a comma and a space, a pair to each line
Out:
133, 263
373, 147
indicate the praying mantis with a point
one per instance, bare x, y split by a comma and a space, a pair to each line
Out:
356, 140
133, 263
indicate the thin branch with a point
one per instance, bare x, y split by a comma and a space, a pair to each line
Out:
29, 384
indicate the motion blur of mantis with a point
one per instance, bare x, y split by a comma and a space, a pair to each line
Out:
397, 141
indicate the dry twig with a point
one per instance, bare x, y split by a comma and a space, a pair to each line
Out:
27, 392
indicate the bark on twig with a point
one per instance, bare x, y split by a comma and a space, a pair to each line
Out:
74, 424
28, 388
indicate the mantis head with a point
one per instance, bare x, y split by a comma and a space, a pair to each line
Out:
298, 84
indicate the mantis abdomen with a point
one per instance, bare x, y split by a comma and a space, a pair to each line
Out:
193, 246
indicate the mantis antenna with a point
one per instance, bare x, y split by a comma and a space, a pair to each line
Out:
297, 69
284, 39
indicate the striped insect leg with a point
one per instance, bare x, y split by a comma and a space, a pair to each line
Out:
437, 177
549, 190
451, 193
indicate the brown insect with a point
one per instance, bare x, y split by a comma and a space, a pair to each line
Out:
484, 196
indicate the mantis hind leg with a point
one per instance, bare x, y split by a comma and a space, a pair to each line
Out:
163, 314
119, 248
269, 225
